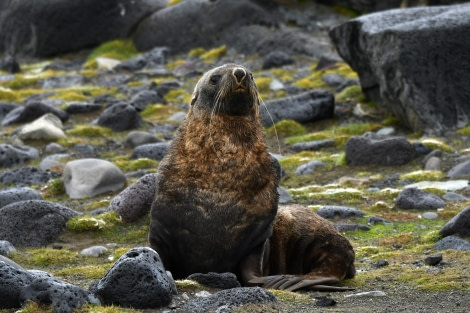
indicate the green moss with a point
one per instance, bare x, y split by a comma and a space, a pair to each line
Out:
464, 131
288, 296
434, 143
86, 272
313, 81
173, 2
93, 223
178, 96
54, 187
421, 175
90, 131
263, 83
350, 94
197, 52
8, 95
214, 53
282, 74
133, 165
332, 194
46, 257
157, 112
286, 128
119, 49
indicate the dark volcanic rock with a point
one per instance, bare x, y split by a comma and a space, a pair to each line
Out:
460, 170
414, 61
312, 145
216, 280
138, 279
306, 107
458, 225
362, 150
31, 111
452, 242
63, 81
120, 117
137, 138
231, 298
6, 107
155, 151
25, 176
135, 201
277, 59
83, 107
9, 64
18, 285
154, 58
16, 194
333, 211
58, 26
33, 223
145, 97
414, 198
12, 155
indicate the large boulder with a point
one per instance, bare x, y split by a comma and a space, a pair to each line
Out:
414, 61
50, 27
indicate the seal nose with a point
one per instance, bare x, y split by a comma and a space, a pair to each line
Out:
239, 74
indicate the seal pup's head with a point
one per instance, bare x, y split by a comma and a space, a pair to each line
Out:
228, 89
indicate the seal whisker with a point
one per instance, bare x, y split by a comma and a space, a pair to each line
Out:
272, 120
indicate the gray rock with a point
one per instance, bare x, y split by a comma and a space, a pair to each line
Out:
313, 145
306, 107
284, 196
33, 223
145, 97
351, 227
452, 243
333, 80
14, 155
308, 168
6, 107
48, 127
152, 59
90, 177
64, 81
53, 160
178, 116
18, 286
361, 150
216, 280
433, 260
460, 170
385, 132
136, 138
230, 297
120, 117
433, 164
154, 151
6, 247
9, 64
25, 176
277, 59
17, 194
332, 212
365, 6
430, 215
83, 107
458, 225
135, 201
452, 196
414, 198
56, 26
54, 147
401, 55
31, 111
94, 251
138, 279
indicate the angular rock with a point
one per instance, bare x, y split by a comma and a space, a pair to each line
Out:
120, 117
138, 279
59, 26
17, 194
414, 198
333, 211
362, 150
90, 177
155, 151
135, 201
232, 298
145, 97
33, 223
32, 111
48, 127
308, 168
152, 59
306, 107
460, 170
13, 155
25, 176
216, 280
413, 62
5, 248
452, 243
458, 225
433, 260
276, 59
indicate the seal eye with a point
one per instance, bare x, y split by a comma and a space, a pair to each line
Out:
215, 79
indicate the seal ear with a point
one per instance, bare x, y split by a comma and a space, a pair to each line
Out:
193, 98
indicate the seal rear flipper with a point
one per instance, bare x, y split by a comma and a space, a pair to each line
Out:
293, 283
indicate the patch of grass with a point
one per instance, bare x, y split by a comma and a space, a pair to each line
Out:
46, 257
350, 94
464, 131
286, 128
158, 112
92, 131
84, 272
119, 49
421, 175
54, 187
434, 143
133, 165
197, 52
178, 96
214, 53
263, 83
84, 223
289, 296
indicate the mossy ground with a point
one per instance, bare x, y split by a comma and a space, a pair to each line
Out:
407, 237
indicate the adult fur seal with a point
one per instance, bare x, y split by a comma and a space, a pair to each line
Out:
216, 195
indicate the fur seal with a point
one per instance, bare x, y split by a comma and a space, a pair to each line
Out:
216, 198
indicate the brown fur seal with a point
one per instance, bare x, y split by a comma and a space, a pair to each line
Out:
216, 198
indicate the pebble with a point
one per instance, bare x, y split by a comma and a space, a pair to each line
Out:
375, 293
94, 251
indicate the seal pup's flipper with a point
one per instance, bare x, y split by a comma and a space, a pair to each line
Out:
293, 283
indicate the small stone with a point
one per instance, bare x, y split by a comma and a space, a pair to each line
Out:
324, 301
430, 215
94, 251
433, 260
309, 167
381, 263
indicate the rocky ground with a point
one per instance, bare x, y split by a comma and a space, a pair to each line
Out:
391, 255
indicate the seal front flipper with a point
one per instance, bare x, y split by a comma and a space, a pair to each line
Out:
293, 283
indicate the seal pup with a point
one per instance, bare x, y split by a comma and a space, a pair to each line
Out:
216, 189
306, 251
